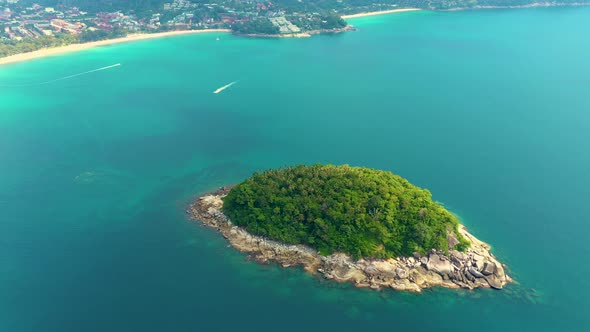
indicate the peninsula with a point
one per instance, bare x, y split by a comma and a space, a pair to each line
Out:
350, 224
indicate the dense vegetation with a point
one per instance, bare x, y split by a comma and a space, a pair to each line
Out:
31, 44
319, 22
9, 47
321, 6
90, 36
258, 26
359, 211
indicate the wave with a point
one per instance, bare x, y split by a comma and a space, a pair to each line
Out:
63, 78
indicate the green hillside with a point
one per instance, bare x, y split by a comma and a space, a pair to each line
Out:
359, 211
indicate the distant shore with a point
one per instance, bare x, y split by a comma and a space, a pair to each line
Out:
143, 36
530, 5
382, 12
305, 34
84, 46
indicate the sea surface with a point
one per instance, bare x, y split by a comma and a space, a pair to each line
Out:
490, 110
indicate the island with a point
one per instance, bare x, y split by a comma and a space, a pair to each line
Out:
350, 224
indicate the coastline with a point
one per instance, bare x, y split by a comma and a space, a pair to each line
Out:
531, 5
84, 46
11, 59
305, 34
144, 36
382, 12
475, 268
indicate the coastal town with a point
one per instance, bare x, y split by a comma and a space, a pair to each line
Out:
28, 25
22, 19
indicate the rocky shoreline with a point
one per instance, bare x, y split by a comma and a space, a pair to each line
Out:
304, 34
475, 268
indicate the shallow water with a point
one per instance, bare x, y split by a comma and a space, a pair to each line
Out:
487, 109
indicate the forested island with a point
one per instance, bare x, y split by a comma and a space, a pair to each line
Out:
29, 25
350, 224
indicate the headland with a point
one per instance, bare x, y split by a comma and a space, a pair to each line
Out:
382, 12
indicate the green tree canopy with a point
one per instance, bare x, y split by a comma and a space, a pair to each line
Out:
360, 211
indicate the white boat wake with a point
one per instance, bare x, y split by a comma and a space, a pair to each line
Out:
224, 87
63, 78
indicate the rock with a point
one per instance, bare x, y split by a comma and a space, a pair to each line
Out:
452, 239
433, 278
405, 285
478, 261
401, 273
371, 270
488, 268
457, 255
481, 283
424, 261
469, 276
500, 271
494, 282
475, 272
439, 265
456, 276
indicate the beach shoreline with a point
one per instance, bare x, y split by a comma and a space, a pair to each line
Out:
382, 12
85, 46
52, 51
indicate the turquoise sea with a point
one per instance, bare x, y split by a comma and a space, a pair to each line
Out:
490, 110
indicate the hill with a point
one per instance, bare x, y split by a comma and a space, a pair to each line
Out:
359, 211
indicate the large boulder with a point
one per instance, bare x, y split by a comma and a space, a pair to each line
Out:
488, 268
439, 265
469, 276
494, 282
417, 276
457, 256
475, 272
424, 261
452, 240
401, 273
478, 261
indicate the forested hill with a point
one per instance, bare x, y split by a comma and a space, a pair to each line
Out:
359, 211
342, 7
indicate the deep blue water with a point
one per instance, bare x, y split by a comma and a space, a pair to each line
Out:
487, 109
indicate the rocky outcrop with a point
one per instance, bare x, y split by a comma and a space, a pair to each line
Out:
475, 268
304, 34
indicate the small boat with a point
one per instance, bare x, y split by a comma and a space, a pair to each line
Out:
218, 39
224, 87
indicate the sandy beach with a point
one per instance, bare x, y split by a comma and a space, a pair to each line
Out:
79, 47
392, 11
142, 36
